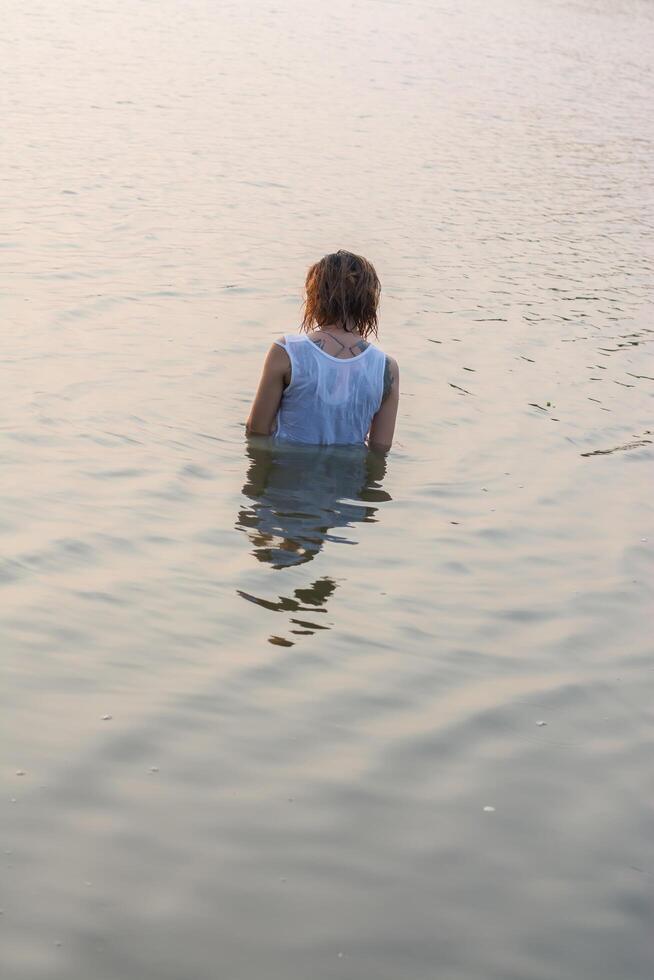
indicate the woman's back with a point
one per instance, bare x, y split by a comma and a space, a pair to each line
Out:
329, 400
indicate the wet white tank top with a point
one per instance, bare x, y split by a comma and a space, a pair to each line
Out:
330, 400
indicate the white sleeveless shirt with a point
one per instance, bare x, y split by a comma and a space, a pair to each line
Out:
330, 400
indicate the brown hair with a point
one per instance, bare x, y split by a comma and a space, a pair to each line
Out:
342, 288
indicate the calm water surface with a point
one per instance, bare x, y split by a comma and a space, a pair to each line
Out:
323, 671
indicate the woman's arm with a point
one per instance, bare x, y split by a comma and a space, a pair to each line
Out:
274, 378
382, 429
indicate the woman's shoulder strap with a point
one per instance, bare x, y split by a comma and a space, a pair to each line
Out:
288, 339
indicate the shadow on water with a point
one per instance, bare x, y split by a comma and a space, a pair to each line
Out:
298, 497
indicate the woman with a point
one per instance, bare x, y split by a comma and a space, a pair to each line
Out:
328, 385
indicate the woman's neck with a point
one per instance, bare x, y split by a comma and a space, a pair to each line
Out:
340, 328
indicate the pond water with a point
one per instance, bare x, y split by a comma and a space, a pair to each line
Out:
292, 715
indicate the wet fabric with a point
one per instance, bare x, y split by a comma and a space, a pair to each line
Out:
330, 400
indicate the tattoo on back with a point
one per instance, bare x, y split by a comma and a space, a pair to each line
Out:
344, 351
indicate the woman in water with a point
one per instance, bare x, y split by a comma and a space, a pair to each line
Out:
328, 385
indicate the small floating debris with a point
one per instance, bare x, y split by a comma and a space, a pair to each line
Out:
541, 724
20, 772
106, 718
153, 769
489, 809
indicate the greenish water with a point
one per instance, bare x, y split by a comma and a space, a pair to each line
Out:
368, 720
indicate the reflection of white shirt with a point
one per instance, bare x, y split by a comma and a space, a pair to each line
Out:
309, 492
330, 400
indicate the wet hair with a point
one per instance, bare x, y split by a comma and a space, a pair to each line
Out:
342, 288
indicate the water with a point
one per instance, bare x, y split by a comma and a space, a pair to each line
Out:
323, 673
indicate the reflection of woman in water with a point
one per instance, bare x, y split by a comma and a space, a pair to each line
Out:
329, 385
299, 495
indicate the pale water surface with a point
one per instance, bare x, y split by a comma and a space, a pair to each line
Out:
322, 672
